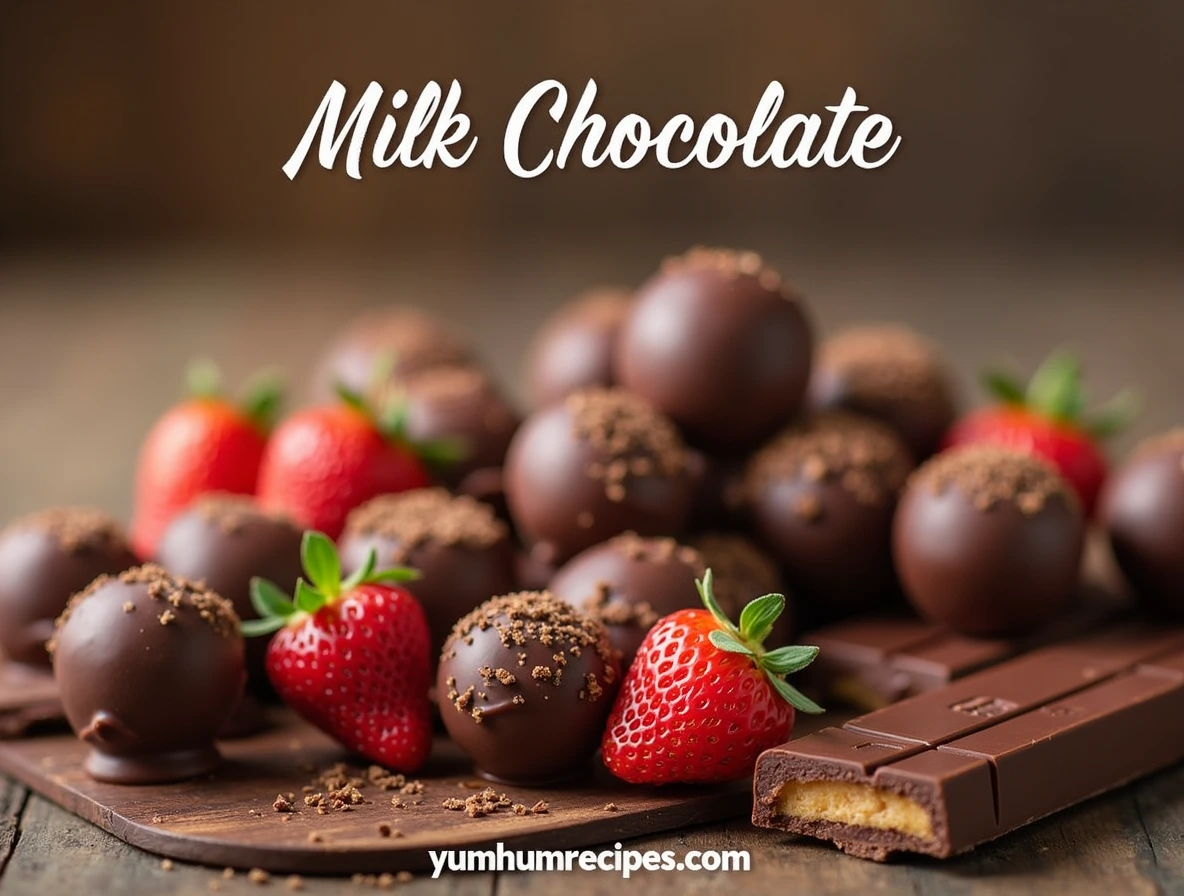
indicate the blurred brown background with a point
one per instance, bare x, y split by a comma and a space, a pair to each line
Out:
1037, 198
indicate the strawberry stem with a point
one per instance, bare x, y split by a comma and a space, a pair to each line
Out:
756, 622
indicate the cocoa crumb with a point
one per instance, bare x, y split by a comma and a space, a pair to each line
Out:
129, 607
540, 808
258, 876
314, 837
282, 804
611, 807
166, 864
294, 882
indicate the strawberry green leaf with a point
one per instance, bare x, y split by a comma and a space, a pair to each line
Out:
253, 628
204, 379
321, 563
785, 660
1003, 386
308, 599
262, 398
757, 618
362, 573
1055, 389
1114, 416
392, 418
268, 600
707, 594
382, 369
727, 642
351, 398
441, 452
395, 574
793, 696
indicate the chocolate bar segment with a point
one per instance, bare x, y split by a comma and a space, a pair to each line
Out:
872, 662
943, 772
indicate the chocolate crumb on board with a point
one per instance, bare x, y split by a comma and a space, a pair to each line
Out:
294, 882
314, 837
258, 876
282, 804
157, 819
542, 807
166, 864
611, 807
228, 873
214, 885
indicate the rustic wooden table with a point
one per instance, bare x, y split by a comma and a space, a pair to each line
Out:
89, 352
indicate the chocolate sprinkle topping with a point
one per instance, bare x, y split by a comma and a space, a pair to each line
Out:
988, 475
656, 550
174, 593
76, 529
886, 362
431, 514
230, 513
864, 456
629, 436
728, 262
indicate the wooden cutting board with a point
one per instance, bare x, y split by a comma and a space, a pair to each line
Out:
228, 819
28, 698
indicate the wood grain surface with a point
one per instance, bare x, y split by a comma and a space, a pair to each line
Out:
91, 351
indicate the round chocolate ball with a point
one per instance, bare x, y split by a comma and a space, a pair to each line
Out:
525, 686
740, 573
601, 462
150, 668
224, 541
405, 338
988, 541
721, 345
461, 549
891, 373
460, 405
45, 558
821, 497
718, 499
1142, 512
629, 583
574, 348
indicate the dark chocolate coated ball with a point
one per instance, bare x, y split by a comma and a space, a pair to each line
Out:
988, 541
629, 583
460, 548
150, 668
1142, 512
574, 349
821, 496
46, 558
718, 343
890, 373
224, 541
601, 462
525, 685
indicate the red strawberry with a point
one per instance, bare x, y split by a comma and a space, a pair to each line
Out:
1047, 419
703, 698
352, 657
324, 461
205, 444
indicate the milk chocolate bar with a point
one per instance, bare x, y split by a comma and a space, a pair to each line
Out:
870, 662
945, 771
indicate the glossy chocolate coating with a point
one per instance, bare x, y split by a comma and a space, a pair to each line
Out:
43, 564
225, 541
718, 343
574, 348
1142, 510
826, 512
406, 338
530, 719
890, 373
629, 583
986, 570
558, 504
147, 683
461, 405
463, 554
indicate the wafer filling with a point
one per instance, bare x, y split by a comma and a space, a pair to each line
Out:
845, 802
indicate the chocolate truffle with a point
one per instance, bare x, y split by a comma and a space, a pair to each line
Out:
525, 685
45, 558
405, 338
988, 541
718, 499
461, 549
740, 573
601, 462
721, 345
461, 405
629, 583
890, 373
224, 541
821, 497
1142, 512
574, 348
150, 668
